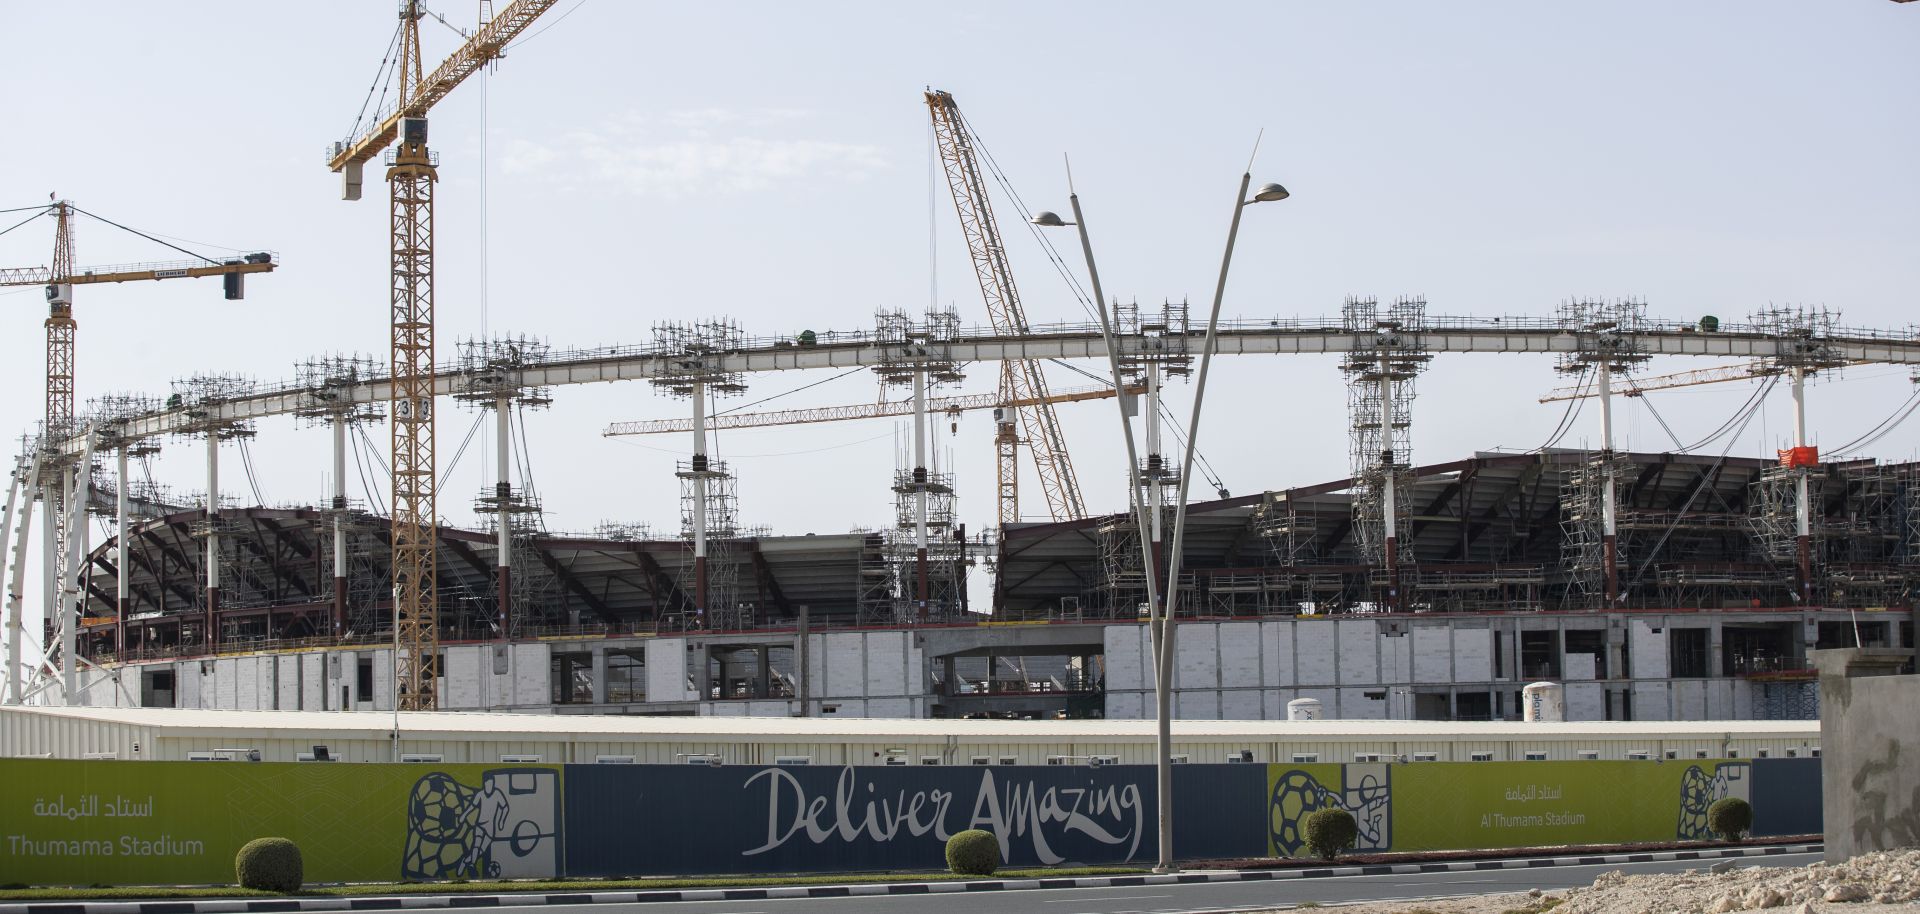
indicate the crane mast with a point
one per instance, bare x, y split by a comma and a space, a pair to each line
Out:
411, 175
1021, 381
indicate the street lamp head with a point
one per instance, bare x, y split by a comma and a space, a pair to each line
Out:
1268, 193
1047, 219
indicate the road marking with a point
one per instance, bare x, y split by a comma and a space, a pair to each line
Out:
1104, 898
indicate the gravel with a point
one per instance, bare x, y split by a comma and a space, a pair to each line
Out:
1886, 882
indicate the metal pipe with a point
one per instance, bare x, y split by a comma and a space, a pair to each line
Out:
700, 501
1126, 427
1609, 532
339, 524
1802, 506
1164, 736
503, 495
920, 480
212, 637
120, 561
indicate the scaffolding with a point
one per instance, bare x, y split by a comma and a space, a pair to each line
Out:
1608, 341
1582, 537
1387, 353
490, 375
918, 355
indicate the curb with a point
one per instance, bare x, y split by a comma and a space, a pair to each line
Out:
403, 902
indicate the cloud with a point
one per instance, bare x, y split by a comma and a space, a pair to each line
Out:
704, 151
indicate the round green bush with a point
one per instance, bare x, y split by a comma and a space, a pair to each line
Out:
973, 853
1730, 818
270, 864
1330, 831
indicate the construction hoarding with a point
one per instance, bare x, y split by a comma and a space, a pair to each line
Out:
68, 822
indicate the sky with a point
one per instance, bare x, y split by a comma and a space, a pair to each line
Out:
631, 163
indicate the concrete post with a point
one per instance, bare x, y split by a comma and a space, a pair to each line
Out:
1870, 794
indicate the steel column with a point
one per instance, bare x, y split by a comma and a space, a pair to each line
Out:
212, 636
503, 495
1389, 511
920, 480
120, 583
16, 575
1609, 533
339, 524
1802, 506
699, 465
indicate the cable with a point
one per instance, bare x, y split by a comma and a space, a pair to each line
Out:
1206, 466
831, 447
373, 453
146, 236
543, 29
43, 211
1572, 412
246, 463
373, 496
445, 474
1753, 400
1874, 434
1046, 245
788, 393
1657, 417
1712, 473
380, 83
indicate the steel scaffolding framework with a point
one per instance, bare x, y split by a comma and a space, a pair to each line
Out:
1387, 354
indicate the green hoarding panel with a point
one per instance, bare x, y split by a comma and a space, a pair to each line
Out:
68, 822
1471, 805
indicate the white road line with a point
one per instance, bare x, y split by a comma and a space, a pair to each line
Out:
1104, 898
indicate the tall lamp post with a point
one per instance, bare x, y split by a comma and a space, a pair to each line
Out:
1160, 612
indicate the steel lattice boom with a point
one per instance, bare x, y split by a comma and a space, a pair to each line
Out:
1020, 380
415, 522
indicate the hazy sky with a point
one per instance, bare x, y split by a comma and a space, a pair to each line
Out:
770, 162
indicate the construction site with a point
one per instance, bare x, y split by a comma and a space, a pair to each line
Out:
1676, 585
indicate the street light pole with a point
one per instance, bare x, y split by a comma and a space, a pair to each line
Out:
1160, 613
1266, 193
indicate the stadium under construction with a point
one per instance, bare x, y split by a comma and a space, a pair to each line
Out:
1653, 586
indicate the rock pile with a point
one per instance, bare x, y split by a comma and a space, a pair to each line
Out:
1887, 877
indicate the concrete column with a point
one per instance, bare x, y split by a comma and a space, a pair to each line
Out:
1802, 507
1156, 493
1389, 511
339, 524
120, 561
699, 464
503, 494
213, 541
1609, 534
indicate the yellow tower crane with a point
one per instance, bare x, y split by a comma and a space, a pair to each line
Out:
1021, 381
411, 174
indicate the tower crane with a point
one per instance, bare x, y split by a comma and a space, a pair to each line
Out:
61, 479
949, 405
1021, 380
411, 174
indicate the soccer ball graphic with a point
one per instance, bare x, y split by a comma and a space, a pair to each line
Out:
1295, 796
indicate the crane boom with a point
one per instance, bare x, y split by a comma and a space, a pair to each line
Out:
1633, 387
1020, 380
847, 413
486, 44
135, 272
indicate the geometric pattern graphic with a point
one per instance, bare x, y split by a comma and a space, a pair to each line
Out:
1700, 790
507, 827
1365, 791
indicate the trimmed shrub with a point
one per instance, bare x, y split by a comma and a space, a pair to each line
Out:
973, 853
1330, 831
1730, 818
270, 864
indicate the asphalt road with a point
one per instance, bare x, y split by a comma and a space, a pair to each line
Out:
1190, 897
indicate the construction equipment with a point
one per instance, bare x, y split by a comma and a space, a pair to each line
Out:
61, 277
411, 174
949, 405
1751, 371
64, 481
1021, 381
